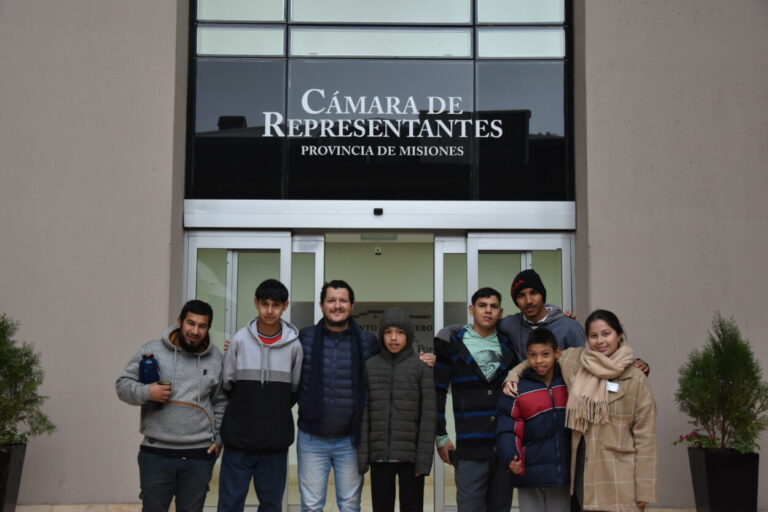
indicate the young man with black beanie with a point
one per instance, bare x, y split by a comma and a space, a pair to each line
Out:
530, 295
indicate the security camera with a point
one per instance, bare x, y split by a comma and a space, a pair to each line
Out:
377, 250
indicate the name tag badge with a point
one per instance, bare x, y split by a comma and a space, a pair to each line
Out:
613, 387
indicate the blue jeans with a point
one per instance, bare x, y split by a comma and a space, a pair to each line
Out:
162, 478
316, 456
268, 472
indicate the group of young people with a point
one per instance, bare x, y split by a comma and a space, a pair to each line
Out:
579, 419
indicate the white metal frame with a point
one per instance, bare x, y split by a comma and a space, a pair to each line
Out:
426, 215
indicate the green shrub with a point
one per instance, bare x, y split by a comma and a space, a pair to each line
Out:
20, 376
721, 389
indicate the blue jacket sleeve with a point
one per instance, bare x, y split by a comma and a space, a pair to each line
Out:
510, 429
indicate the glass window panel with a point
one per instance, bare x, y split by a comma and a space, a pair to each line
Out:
240, 10
240, 41
211, 288
528, 162
376, 11
406, 174
253, 268
233, 94
455, 284
497, 269
385, 42
538, 87
520, 11
521, 43
549, 265
402, 272
232, 159
303, 289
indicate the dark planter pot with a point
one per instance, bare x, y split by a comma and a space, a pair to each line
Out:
724, 481
11, 462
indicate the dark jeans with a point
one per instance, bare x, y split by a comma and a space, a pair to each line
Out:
482, 486
162, 478
411, 487
268, 471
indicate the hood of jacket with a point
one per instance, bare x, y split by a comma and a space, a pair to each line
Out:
289, 334
553, 313
396, 317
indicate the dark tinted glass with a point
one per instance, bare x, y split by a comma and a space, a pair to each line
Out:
392, 160
231, 158
312, 128
529, 162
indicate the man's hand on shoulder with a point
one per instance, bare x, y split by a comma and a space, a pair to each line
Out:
510, 388
643, 366
571, 315
428, 358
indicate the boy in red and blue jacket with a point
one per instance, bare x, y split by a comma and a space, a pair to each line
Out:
531, 436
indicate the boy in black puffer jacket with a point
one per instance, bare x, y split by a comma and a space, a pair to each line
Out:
531, 436
398, 429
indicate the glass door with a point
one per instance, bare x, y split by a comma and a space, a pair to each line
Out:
224, 268
493, 259
432, 276
465, 264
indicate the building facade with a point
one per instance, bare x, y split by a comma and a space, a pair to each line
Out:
159, 151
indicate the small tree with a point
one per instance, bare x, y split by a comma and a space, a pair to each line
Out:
721, 388
20, 376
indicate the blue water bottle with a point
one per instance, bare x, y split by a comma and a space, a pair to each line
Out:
149, 372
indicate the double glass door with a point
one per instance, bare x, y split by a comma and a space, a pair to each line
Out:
429, 274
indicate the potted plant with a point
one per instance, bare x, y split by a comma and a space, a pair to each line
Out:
722, 390
20, 414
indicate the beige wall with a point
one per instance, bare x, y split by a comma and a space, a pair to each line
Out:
672, 217
90, 220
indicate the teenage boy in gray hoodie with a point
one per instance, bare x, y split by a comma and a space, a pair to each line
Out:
262, 368
181, 428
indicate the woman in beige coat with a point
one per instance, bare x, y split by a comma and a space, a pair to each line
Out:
612, 415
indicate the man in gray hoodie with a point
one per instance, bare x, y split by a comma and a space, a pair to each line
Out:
180, 414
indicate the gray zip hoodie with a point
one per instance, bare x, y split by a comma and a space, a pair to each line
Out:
261, 381
192, 417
